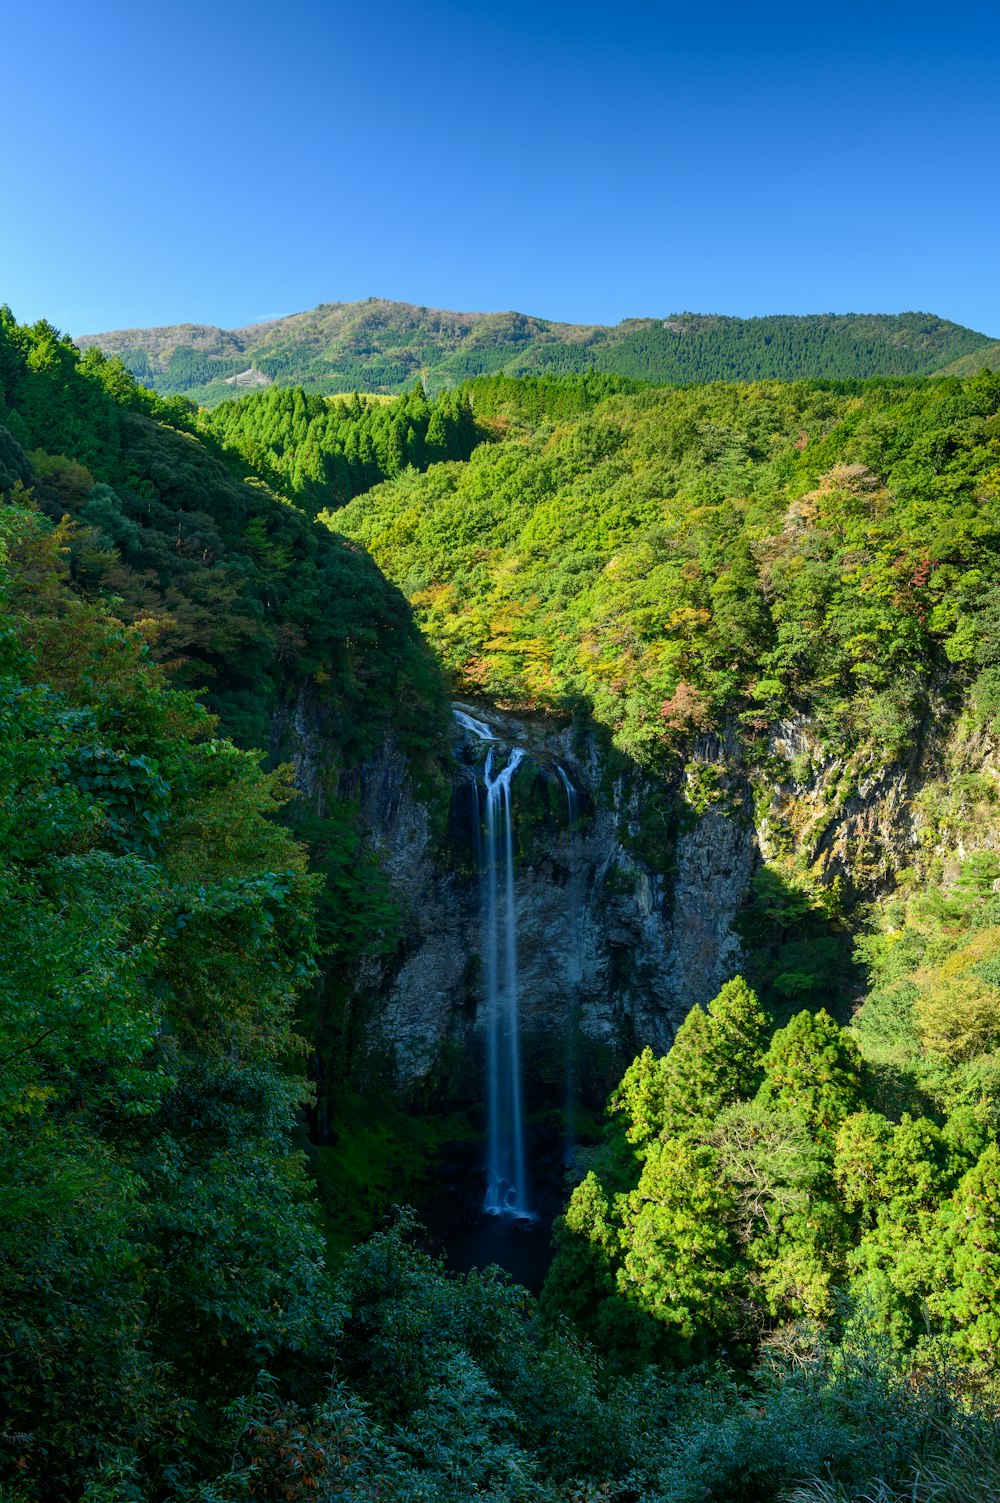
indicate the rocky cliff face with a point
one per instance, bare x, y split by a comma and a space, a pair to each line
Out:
624, 920
868, 818
612, 952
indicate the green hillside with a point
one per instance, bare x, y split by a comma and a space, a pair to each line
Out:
227, 577
779, 1274
676, 557
382, 346
986, 357
322, 452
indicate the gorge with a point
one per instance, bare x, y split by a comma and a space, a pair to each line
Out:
666, 777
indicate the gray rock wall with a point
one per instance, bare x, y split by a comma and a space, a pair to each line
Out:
611, 950
646, 944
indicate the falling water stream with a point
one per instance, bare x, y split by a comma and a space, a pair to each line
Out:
507, 1179
506, 1171
506, 1165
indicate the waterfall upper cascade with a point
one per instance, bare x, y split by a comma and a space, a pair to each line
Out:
507, 1177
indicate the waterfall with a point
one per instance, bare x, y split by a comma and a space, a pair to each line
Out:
470, 723
506, 1167
574, 959
506, 1174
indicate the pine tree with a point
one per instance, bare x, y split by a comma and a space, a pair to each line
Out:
967, 1262
813, 1067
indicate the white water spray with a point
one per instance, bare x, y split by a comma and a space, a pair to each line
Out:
470, 723
507, 1191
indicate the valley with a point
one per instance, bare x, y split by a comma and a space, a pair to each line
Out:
563, 800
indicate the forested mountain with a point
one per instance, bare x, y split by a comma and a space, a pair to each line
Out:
674, 558
987, 357
235, 586
778, 1273
381, 346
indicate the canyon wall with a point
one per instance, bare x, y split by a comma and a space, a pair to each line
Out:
628, 918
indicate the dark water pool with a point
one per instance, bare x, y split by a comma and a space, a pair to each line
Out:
524, 1249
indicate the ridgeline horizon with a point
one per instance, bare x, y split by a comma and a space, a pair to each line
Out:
380, 345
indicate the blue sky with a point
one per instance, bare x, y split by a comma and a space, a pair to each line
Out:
225, 162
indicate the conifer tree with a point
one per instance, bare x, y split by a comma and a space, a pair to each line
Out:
714, 1060
395, 461
967, 1262
586, 1248
680, 1263
813, 1067
436, 440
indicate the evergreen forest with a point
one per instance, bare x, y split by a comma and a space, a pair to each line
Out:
381, 346
771, 592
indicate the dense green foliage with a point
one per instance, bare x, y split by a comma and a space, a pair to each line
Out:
239, 586
168, 1330
242, 596
783, 1262
676, 558
468, 1394
516, 401
322, 452
690, 348
381, 346
755, 1182
156, 926
968, 365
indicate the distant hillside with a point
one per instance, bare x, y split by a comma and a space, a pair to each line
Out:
381, 346
987, 356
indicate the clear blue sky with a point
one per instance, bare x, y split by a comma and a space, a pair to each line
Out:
223, 162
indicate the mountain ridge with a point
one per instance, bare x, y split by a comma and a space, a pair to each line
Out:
378, 345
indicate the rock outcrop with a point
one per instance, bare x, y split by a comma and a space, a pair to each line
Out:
627, 919
613, 949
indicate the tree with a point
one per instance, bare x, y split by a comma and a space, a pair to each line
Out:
680, 1264
436, 441
586, 1244
966, 1264
396, 456
714, 1060
813, 1067
894, 1179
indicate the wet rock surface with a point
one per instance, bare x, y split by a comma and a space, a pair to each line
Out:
611, 951
614, 946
